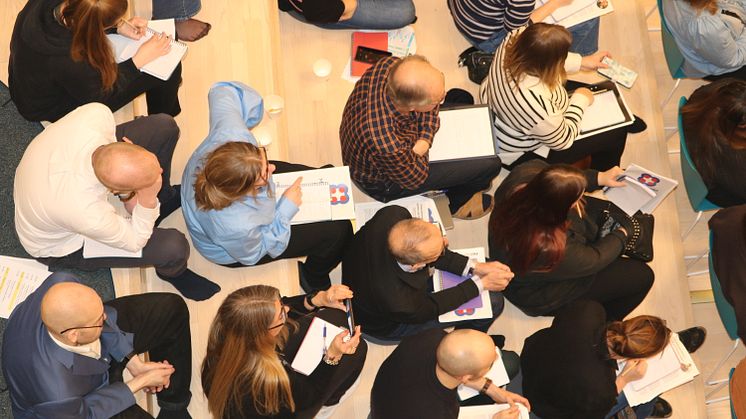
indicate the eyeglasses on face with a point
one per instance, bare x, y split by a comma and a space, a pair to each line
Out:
265, 161
283, 317
101, 319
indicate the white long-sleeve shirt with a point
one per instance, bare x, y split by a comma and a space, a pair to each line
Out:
58, 199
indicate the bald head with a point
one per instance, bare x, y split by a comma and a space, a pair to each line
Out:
70, 304
413, 83
123, 166
413, 241
466, 352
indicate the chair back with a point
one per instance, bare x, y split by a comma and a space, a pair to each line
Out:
725, 310
696, 190
674, 57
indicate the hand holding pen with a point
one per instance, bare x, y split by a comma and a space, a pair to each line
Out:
133, 28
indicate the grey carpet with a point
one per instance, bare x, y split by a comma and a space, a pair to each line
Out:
15, 135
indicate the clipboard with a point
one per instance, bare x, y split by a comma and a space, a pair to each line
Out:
610, 106
466, 132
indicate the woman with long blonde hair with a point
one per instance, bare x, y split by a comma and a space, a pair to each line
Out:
60, 58
252, 342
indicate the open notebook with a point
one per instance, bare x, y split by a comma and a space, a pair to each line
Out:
163, 66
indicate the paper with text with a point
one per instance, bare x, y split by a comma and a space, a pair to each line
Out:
311, 350
327, 194
18, 278
590, 11
163, 66
468, 310
419, 206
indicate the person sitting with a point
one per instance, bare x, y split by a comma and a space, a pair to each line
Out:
352, 14
590, 348
714, 127
61, 191
60, 58
182, 11
388, 127
728, 253
710, 35
419, 379
389, 266
533, 110
64, 352
229, 197
252, 342
485, 23
544, 231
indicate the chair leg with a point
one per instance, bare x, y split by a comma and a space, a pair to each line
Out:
650, 12
693, 261
709, 381
691, 227
676, 85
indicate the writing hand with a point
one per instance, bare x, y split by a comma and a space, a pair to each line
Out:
158, 45
294, 192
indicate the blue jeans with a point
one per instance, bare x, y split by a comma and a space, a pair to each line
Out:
496, 300
175, 9
371, 14
641, 411
584, 38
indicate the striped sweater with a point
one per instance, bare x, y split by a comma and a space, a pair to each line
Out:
529, 114
480, 19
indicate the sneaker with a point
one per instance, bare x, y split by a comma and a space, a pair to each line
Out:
661, 409
693, 338
479, 205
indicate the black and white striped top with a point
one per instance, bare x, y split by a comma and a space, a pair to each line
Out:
479, 19
530, 114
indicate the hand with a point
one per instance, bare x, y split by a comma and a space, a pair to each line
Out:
504, 396
157, 46
133, 28
421, 147
511, 413
609, 177
634, 369
339, 347
157, 376
350, 7
294, 192
148, 196
593, 61
562, 3
585, 92
333, 297
494, 275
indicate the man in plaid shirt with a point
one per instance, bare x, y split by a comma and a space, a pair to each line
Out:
387, 129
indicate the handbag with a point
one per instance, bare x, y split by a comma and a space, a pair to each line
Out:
477, 63
639, 229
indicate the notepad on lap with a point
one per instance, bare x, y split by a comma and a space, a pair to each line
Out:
163, 66
95, 249
477, 308
498, 374
464, 133
608, 111
312, 348
488, 411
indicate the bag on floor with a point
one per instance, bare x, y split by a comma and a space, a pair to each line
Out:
639, 227
477, 63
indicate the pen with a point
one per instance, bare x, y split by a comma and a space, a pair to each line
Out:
323, 353
135, 28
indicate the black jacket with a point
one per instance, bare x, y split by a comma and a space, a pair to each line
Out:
539, 293
45, 83
728, 227
385, 295
567, 370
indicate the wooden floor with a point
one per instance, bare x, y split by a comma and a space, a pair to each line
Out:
275, 55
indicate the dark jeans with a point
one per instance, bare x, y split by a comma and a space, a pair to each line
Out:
323, 243
175, 9
739, 74
641, 411
160, 323
161, 96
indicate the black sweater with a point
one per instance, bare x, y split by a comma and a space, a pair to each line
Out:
45, 83
538, 293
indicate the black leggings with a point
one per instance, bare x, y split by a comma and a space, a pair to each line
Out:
620, 287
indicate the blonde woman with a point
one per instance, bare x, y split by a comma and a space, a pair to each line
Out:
533, 110
253, 340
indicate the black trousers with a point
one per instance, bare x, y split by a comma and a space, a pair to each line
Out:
739, 74
161, 96
323, 243
160, 323
619, 288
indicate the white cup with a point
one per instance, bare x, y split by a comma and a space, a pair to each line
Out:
322, 67
274, 105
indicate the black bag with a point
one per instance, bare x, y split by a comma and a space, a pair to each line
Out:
639, 228
477, 63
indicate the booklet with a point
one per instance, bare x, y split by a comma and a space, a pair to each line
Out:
317, 340
478, 307
163, 66
327, 194
498, 374
18, 278
645, 190
419, 206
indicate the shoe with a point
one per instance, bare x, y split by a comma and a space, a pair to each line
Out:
458, 97
498, 340
693, 338
638, 126
661, 409
479, 205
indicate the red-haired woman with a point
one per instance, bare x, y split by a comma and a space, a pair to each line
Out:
60, 59
540, 229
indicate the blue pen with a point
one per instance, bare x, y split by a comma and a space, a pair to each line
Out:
323, 353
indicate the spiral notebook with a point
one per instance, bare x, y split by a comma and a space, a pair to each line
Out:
162, 67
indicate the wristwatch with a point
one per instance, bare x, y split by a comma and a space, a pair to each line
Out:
309, 299
486, 386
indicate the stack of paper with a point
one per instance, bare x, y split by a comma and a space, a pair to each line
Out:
18, 278
327, 194
419, 206
578, 11
317, 340
401, 42
497, 374
163, 66
488, 411
477, 308
464, 133
645, 190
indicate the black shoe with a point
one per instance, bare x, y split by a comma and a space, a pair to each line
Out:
498, 340
174, 414
693, 338
456, 97
638, 126
662, 409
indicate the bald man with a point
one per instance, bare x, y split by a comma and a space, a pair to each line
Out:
66, 177
419, 379
388, 267
64, 351
388, 126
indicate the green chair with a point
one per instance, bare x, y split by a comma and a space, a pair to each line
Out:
674, 57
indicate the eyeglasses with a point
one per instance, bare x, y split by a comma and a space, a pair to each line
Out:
124, 196
102, 318
263, 153
283, 316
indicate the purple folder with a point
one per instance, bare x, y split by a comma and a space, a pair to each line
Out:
449, 280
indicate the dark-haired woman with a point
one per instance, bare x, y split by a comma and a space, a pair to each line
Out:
254, 339
533, 110
541, 229
60, 58
228, 197
714, 121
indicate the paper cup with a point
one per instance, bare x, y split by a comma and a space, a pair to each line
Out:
274, 105
322, 67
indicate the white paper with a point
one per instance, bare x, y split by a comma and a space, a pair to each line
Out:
603, 112
18, 278
96, 249
631, 197
463, 133
327, 194
660, 186
584, 14
163, 66
402, 42
484, 312
419, 206
574, 7
487, 411
314, 344
497, 374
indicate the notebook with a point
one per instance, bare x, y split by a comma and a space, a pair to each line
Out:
608, 111
477, 308
327, 194
644, 190
314, 344
162, 67
465, 133
578, 11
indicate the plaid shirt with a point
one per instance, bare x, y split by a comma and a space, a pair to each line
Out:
377, 139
